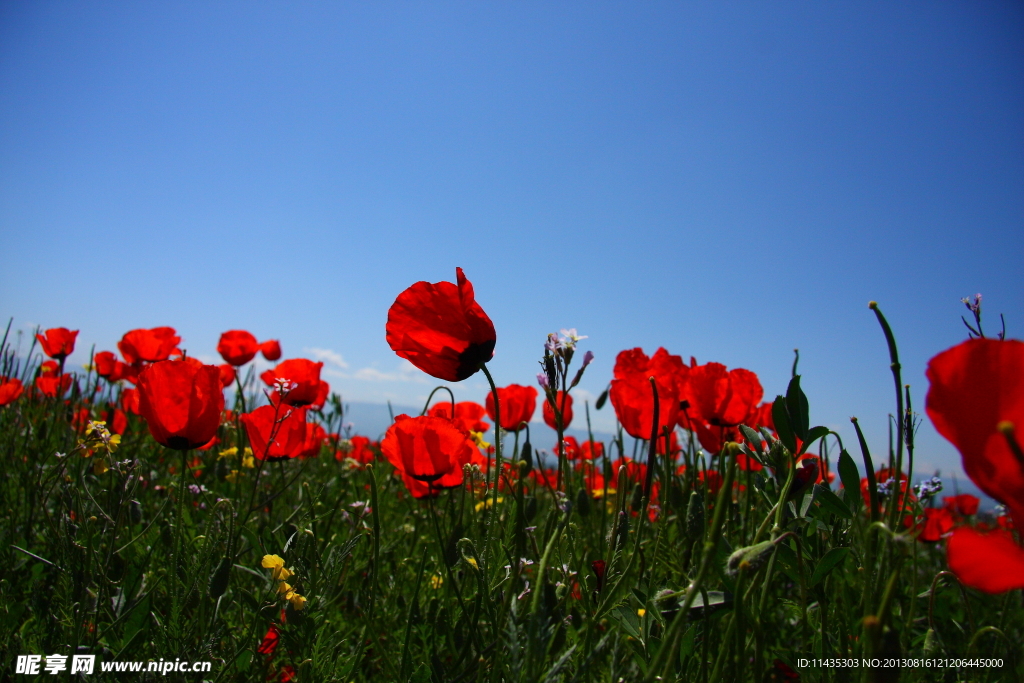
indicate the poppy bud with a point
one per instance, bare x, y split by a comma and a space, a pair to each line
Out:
638, 497
526, 455
583, 502
695, 516
750, 558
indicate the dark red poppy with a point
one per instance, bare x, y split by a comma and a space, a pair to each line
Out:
10, 390
207, 446
149, 346
441, 329
936, 522
964, 504
566, 408
593, 478
599, 567
591, 450
975, 386
544, 477
276, 432
748, 464
181, 401
358, 448
303, 378
428, 449
270, 641
518, 404
633, 399
271, 350
51, 386
58, 342
237, 347
468, 415
990, 562
713, 479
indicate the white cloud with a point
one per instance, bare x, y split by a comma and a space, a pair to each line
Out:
332, 357
405, 372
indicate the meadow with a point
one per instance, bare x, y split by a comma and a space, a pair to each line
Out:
159, 509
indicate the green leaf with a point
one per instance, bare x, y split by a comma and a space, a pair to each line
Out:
628, 619
799, 411
752, 438
831, 501
850, 477
832, 559
813, 435
782, 428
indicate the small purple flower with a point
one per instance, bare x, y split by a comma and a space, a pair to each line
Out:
542, 379
588, 358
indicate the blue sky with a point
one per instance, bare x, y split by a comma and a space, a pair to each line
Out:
730, 181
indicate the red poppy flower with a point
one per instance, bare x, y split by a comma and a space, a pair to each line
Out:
991, 562
52, 386
518, 404
748, 464
10, 390
237, 347
468, 415
599, 567
49, 368
964, 504
763, 417
974, 387
205, 447
276, 432
315, 436
936, 522
117, 421
441, 329
227, 375
150, 346
181, 401
633, 400
270, 641
662, 363
572, 448
358, 449
592, 450
58, 342
271, 350
304, 378
566, 408
428, 449
713, 479
111, 369
721, 397
593, 478
130, 401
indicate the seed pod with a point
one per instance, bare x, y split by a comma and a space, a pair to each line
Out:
219, 578
695, 516
622, 530
931, 643
638, 497
583, 502
531, 508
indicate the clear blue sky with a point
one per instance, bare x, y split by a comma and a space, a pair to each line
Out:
730, 181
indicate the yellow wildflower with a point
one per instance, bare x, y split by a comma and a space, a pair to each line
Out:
275, 564
478, 439
488, 502
231, 476
99, 466
298, 602
228, 453
436, 581
247, 460
472, 562
641, 612
284, 587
